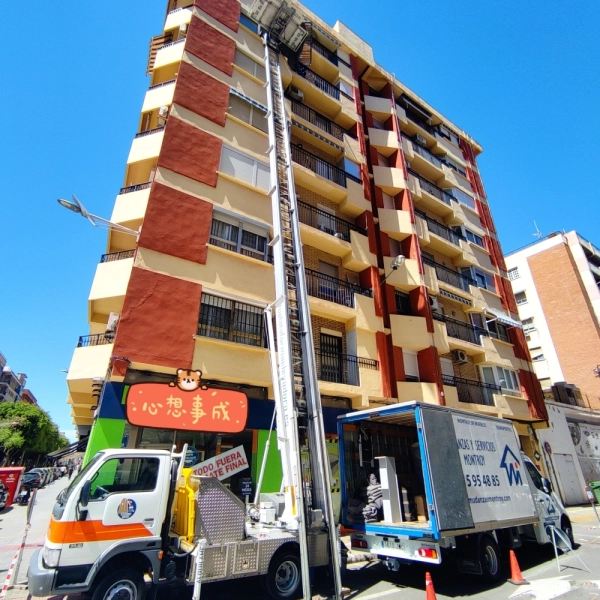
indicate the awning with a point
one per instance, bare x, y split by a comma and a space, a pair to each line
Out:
504, 318
79, 446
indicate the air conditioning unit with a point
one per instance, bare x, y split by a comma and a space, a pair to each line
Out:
434, 303
460, 356
295, 93
163, 111
183, 28
419, 139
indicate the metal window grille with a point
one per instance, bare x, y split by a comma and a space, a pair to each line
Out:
403, 303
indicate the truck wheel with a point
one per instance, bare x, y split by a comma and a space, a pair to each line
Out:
567, 529
489, 558
123, 584
283, 579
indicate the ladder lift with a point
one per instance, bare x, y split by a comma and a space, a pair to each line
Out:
300, 427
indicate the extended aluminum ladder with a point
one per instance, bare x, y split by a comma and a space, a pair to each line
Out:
300, 428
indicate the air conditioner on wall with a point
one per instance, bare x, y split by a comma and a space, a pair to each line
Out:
434, 303
460, 356
295, 93
419, 139
183, 27
163, 111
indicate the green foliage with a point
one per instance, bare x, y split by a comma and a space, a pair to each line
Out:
29, 428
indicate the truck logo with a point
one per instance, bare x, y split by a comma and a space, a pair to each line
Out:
511, 464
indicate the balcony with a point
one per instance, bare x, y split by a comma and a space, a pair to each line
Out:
321, 167
146, 145
97, 339
449, 276
130, 205
332, 289
318, 120
318, 81
342, 368
420, 122
380, 108
326, 222
447, 240
396, 223
135, 188
432, 190
384, 141
473, 392
461, 330
117, 256
169, 53
323, 51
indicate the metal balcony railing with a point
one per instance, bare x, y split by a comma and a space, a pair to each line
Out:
403, 304
444, 232
318, 81
149, 131
429, 156
323, 51
342, 368
449, 276
321, 167
475, 392
111, 256
327, 222
333, 289
135, 188
97, 339
420, 122
461, 330
318, 120
432, 189
159, 85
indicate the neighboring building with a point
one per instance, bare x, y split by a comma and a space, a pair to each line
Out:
11, 385
555, 282
28, 397
379, 173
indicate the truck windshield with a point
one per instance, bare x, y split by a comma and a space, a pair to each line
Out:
65, 494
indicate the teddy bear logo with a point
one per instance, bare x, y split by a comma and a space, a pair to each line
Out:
188, 380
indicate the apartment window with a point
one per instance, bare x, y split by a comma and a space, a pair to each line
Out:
411, 365
498, 330
238, 236
505, 378
377, 124
455, 166
538, 357
484, 280
248, 112
473, 237
248, 23
350, 167
346, 88
243, 167
448, 134
243, 61
528, 325
463, 198
521, 298
225, 319
513, 273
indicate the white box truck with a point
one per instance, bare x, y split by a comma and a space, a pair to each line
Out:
420, 480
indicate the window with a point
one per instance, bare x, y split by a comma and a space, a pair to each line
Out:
473, 237
124, 475
535, 475
247, 112
528, 325
508, 379
377, 124
411, 365
225, 319
448, 134
346, 88
243, 61
498, 330
248, 23
403, 303
538, 357
455, 166
461, 197
513, 273
244, 168
484, 280
238, 236
350, 167
521, 298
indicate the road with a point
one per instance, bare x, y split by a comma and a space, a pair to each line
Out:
365, 580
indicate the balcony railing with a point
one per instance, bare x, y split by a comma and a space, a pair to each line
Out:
403, 303
327, 222
318, 81
475, 392
110, 257
159, 85
321, 167
149, 131
449, 276
323, 51
313, 117
420, 122
444, 232
332, 289
342, 368
135, 188
429, 156
432, 189
461, 330
97, 339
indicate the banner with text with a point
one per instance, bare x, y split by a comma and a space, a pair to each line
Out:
224, 465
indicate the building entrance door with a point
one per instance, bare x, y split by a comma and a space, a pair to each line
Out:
571, 491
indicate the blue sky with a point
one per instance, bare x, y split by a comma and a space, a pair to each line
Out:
523, 78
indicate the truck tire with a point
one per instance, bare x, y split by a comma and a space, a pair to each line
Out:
123, 584
283, 580
489, 558
567, 529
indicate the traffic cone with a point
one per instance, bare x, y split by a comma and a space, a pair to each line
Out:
515, 572
429, 591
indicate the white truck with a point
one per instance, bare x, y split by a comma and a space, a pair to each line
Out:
420, 481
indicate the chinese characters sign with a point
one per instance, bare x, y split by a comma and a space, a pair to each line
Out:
203, 409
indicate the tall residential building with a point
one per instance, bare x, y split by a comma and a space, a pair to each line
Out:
555, 282
11, 384
379, 174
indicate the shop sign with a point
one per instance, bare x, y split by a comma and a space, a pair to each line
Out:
224, 465
187, 406
191, 457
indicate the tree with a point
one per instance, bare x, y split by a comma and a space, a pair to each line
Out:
27, 428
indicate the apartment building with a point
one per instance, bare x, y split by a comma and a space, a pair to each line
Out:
11, 384
555, 282
379, 174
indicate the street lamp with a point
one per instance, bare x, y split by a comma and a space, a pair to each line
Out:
396, 262
96, 221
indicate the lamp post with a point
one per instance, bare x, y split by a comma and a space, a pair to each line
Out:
96, 221
396, 262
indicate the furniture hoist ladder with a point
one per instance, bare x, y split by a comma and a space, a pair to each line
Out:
300, 428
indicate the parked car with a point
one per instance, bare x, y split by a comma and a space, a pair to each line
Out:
33, 478
43, 475
56, 472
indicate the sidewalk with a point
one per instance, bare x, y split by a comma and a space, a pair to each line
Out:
12, 530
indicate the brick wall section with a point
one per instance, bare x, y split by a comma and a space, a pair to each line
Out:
569, 316
466, 370
314, 199
312, 256
320, 322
